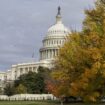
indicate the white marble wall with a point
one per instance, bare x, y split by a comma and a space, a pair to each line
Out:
20, 69
2, 76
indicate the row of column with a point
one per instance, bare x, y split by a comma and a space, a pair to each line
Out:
47, 54
24, 71
53, 42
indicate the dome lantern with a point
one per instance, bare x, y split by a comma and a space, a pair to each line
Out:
58, 17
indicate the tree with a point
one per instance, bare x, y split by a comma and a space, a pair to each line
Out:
33, 82
20, 89
9, 89
80, 66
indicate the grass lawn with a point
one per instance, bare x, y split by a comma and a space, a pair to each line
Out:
40, 103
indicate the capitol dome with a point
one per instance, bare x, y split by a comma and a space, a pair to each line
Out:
54, 39
58, 29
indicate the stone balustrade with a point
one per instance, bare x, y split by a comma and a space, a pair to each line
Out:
28, 97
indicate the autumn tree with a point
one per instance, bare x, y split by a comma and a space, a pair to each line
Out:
80, 67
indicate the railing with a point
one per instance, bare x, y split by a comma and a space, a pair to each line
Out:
28, 97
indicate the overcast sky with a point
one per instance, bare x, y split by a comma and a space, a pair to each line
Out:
24, 23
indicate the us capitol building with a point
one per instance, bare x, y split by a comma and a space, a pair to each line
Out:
54, 38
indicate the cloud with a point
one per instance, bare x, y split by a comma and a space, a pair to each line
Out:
24, 23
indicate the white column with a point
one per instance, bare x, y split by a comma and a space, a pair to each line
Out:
24, 70
52, 53
55, 52
18, 73
48, 54
42, 55
45, 54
